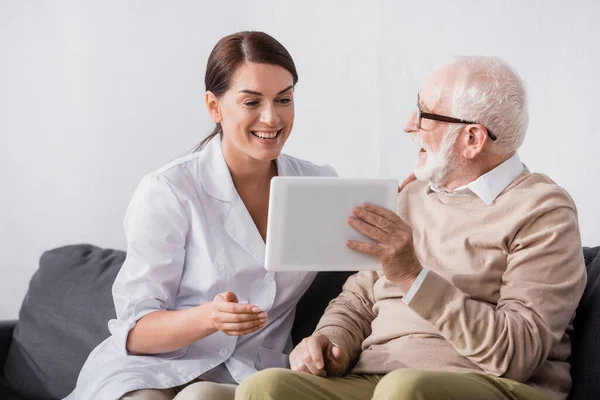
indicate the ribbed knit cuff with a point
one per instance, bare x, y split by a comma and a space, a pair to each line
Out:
339, 337
431, 298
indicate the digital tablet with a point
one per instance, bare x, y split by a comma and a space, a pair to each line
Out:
307, 226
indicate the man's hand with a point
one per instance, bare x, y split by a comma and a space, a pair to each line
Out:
236, 319
394, 243
408, 180
316, 355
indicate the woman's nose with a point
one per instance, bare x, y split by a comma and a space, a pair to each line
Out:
269, 116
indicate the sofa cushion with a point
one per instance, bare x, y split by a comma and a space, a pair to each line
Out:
63, 317
585, 354
66, 311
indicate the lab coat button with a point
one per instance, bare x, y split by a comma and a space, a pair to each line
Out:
223, 352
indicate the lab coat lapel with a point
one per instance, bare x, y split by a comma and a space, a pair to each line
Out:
238, 222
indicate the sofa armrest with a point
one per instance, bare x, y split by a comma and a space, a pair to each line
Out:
6, 334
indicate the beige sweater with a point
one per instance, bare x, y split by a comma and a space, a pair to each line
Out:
500, 296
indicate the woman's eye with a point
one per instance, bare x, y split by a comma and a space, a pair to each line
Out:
251, 103
284, 101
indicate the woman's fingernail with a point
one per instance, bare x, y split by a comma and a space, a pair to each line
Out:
255, 309
262, 315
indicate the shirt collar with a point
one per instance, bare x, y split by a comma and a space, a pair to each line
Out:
489, 185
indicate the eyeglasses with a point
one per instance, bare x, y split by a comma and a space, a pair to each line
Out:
443, 118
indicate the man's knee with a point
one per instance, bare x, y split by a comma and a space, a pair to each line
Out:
263, 384
406, 384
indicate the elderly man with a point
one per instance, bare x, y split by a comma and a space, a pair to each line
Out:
482, 266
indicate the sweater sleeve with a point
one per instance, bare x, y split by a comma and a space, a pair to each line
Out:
541, 287
347, 319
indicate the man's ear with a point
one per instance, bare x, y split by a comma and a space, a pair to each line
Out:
474, 140
213, 105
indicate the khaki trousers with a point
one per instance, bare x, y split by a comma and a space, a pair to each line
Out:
401, 384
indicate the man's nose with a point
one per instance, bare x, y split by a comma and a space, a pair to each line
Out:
411, 123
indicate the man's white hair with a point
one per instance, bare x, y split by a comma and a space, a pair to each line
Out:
490, 92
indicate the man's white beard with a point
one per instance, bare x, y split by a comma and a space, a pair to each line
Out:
438, 165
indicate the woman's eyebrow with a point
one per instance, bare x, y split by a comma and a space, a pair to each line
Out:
255, 93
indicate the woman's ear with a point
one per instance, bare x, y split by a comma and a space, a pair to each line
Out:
213, 106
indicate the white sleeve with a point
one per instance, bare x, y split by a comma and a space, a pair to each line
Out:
416, 285
156, 227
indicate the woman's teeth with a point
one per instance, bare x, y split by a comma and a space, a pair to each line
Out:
266, 135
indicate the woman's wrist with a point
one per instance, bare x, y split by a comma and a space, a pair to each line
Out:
205, 322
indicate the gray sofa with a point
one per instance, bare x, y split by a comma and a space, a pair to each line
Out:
65, 312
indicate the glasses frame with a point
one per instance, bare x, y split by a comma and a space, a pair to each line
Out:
443, 118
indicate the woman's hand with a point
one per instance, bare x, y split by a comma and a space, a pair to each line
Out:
236, 319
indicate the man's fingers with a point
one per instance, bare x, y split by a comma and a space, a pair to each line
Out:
362, 247
408, 180
316, 353
383, 212
303, 368
369, 230
309, 364
336, 354
373, 219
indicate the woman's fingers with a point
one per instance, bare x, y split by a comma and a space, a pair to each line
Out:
241, 326
236, 308
228, 317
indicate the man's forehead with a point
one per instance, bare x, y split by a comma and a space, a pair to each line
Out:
439, 88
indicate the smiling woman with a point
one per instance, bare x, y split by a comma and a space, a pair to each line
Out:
194, 278
235, 50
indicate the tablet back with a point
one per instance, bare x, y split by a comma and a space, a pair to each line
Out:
307, 225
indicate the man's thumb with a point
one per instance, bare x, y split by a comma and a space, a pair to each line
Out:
336, 353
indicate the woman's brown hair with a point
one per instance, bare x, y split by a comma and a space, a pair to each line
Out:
232, 51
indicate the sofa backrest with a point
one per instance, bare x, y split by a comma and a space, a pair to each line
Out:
69, 302
65, 313
585, 351
63, 317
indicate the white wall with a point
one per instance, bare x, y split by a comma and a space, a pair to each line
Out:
93, 95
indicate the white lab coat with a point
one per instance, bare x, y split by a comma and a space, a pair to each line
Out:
190, 237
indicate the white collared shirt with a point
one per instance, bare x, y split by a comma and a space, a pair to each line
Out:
487, 187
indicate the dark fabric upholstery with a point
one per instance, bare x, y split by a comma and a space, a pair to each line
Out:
65, 314
585, 354
63, 317
6, 334
325, 287
67, 308
7, 394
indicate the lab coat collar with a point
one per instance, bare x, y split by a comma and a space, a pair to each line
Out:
218, 183
216, 177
